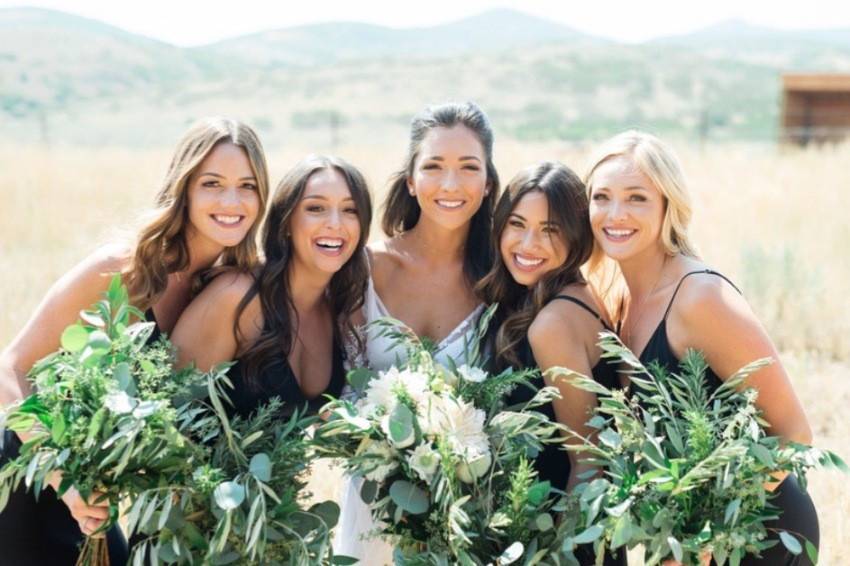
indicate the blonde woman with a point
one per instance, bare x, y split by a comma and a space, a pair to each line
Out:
206, 215
671, 301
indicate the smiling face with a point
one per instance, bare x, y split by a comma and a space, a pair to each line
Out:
530, 244
626, 210
223, 197
449, 176
325, 226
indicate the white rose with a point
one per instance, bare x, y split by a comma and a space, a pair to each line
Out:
424, 461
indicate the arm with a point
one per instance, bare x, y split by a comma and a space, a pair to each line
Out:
204, 333
559, 336
712, 317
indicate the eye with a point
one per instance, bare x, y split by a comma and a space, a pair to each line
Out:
429, 166
637, 198
472, 167
350, 210
315, 208
551, 230
249, 186
515, 223
600, 196
210, 184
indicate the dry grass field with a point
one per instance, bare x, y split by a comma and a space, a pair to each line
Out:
774, 221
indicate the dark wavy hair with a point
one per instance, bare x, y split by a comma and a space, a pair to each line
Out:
518, 305
347, 286
401, 210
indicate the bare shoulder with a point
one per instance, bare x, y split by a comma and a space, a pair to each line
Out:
557, 321
706, 298
384, 259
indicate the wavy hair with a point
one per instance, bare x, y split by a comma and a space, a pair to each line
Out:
661, 165
401, 210
161, 246
518, 305
347, 286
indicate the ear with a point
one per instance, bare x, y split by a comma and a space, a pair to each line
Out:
410, 188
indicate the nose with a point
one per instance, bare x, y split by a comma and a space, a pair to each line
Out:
334, 218
617, 210
229, 196
450, 181
529, 240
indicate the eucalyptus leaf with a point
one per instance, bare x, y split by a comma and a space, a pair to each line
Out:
409, 497
74, 338
261, 467
791, 543
229, 495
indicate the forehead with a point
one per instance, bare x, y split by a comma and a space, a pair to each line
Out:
327, 182
225, 154
621, 172
533, 205
455, 141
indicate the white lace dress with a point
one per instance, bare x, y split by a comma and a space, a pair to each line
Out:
355, 521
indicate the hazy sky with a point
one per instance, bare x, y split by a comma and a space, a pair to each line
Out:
193, 23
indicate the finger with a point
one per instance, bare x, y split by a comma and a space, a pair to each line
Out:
89, 525
99, 513
98, 499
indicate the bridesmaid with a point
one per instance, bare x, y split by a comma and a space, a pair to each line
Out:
283, 324
437, 216
206, 212
548, 315
640, 211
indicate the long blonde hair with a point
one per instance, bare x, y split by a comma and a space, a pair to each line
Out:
661, 165
161, 246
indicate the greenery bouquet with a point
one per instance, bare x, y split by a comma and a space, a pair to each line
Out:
108, 412
684, 468
445, 464
243, 502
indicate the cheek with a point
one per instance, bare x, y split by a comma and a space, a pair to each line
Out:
505, 243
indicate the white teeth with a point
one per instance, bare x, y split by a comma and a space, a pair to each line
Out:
618, 233
330, 242
226, 219
527, 262
450, 203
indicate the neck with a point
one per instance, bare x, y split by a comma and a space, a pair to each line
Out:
436, 244
642, 273
307, 289
202, 255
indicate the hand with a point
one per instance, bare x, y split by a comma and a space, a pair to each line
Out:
704, 559
90, 515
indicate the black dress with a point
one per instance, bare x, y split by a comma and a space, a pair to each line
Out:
798, 513
42, 532
553, 463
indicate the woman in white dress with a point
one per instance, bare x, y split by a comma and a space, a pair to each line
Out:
438, 218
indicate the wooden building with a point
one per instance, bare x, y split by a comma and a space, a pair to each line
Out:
815, 107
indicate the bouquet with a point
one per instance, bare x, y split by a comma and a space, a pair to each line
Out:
684, 468
243, 501
108, 411
446, 465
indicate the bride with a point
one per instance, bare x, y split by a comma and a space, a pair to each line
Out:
437, 215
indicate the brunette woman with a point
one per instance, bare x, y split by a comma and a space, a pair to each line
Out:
548, 316
206, 215
640, 211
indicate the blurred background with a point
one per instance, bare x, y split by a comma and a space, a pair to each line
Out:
94, 95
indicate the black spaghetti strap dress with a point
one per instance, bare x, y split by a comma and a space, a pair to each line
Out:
552, 463
798, 513
42, 532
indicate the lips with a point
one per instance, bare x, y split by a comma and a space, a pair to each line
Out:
329, 246
450, 204
227, 220
619, 234
527, 263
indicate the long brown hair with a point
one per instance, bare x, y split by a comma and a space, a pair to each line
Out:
347, 286
161, 246
401, 210
518, 305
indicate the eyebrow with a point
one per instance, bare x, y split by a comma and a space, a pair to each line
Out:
544, 222
631, 188
464, 158
322, 197
211, 174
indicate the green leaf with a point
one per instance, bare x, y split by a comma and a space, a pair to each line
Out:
609, 437
74, 338
409, 497
369, 491
544, 522
790, 542
762, 454
589, 535
731, 511
340, 560
57, 432
121, 374
98, 340
261, 467
359, 378
538, 492
327, 511
811, 551
675, 548
622, 531
229, 495
401, 430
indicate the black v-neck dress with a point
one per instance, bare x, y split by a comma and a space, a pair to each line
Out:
798, 513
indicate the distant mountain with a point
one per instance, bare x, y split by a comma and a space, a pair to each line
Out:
495, 30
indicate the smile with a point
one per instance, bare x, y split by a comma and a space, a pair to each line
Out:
227, 220
527, 263
618, 234
449, 204
330, 246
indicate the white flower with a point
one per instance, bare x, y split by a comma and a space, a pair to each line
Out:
473, 374
424, 461
383, 391
461, 424
119, 403
470, 470
382, 465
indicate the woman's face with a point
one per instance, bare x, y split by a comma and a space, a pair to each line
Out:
223, 198
626, 210
531, 245
325, 226
449, 177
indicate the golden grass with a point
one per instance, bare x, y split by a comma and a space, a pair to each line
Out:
773, 221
